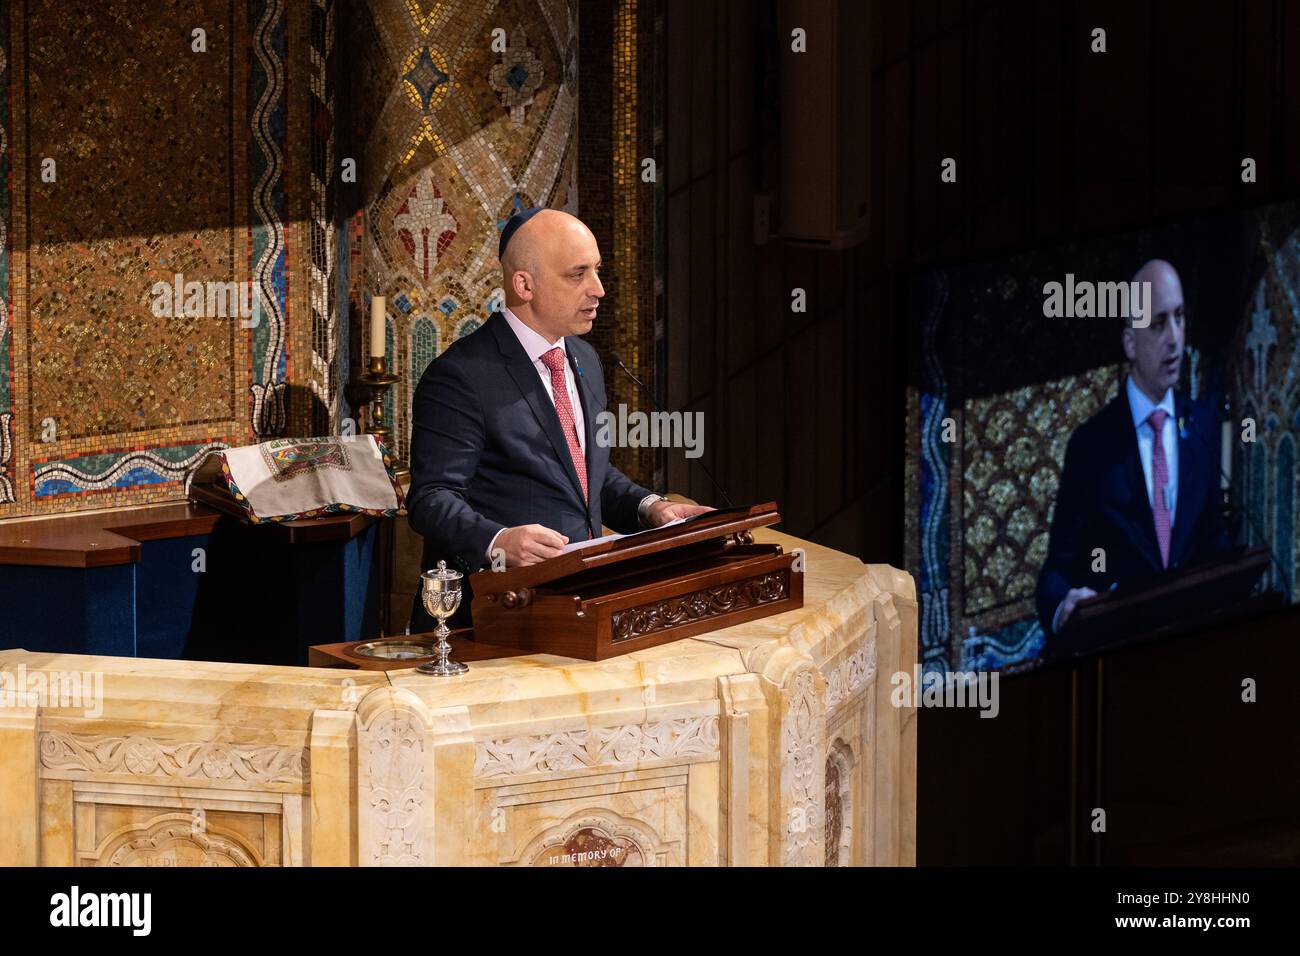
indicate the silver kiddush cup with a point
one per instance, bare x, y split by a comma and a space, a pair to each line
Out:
440, 592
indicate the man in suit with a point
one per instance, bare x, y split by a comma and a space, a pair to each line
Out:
503, 455
1141, 477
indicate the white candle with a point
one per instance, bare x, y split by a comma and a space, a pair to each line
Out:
378, 306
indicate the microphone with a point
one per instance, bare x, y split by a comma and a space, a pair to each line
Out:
659, 408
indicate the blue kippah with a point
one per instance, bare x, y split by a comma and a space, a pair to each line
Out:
512, 226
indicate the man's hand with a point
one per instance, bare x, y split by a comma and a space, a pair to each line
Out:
1072, 598
529, 544
662, 512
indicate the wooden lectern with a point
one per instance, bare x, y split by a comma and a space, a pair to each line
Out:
615, 596
1172, 601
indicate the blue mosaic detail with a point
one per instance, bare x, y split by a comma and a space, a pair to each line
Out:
128, 469
425, 77
424, 346
516, 205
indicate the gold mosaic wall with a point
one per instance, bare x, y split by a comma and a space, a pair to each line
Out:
1010, 459
221, 165
131, 151
632, 286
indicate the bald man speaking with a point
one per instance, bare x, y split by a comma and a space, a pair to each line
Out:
1140, 477
503, 454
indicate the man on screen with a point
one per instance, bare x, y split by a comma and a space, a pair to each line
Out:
504, 459
1138, 491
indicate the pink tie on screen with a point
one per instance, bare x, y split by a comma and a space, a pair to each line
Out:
554, 360
1160, 482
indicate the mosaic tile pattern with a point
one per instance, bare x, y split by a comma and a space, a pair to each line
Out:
1266, 386
460, 137
267, 158
118, 469
658, 241
167, 161
1011, 455
326, 379
222, 166
7, 492
632, 336
98, 362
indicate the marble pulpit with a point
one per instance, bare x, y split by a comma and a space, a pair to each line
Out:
770, 743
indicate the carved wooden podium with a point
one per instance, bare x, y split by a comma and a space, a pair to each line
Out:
615, 596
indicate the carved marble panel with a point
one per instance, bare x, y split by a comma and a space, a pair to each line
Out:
173, 838
850, 675
803, 728
627, 745
204, 761
393, 756
395, 803
637, 825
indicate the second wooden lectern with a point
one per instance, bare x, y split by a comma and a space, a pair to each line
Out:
615, 596
1168, 602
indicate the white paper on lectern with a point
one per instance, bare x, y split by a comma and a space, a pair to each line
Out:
577, 545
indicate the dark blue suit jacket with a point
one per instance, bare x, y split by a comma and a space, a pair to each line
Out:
1102, 503
488, 452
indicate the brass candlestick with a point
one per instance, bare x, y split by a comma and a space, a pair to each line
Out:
379, 380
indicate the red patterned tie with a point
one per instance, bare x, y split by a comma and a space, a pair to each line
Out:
554, 360
1160, 482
